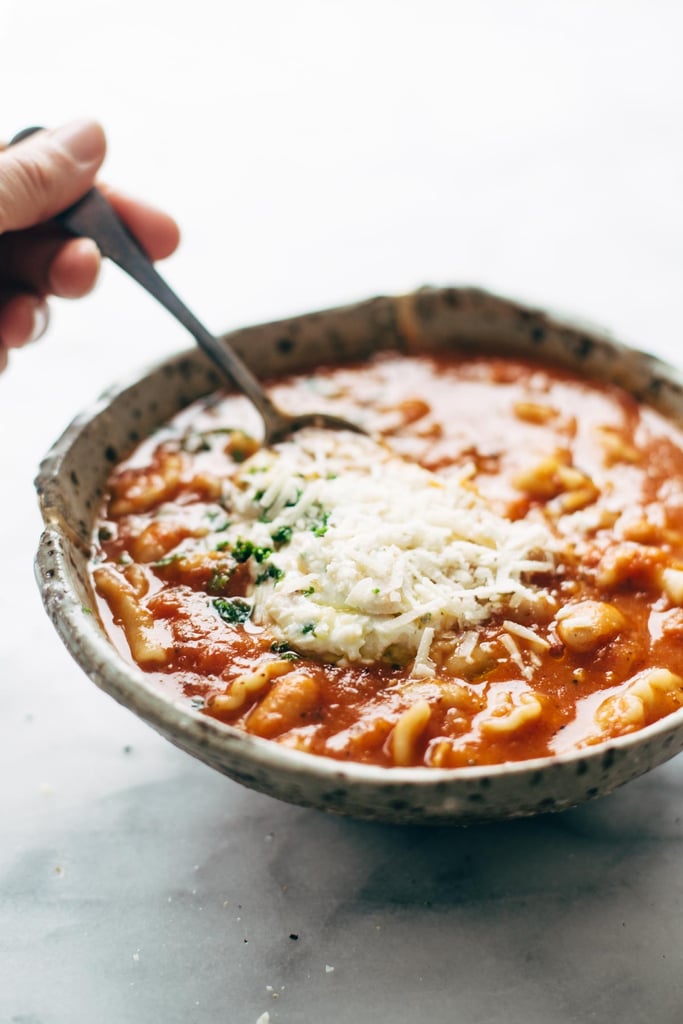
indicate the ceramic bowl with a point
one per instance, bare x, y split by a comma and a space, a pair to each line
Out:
70, 485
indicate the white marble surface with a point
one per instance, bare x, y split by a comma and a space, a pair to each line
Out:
317, 152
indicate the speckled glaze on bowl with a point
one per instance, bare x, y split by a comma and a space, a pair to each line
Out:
70, 485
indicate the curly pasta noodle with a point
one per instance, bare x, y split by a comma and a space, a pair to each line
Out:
147, 645
248, 685
332, 593
408, 730
510, 717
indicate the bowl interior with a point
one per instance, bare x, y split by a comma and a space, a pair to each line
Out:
71, 485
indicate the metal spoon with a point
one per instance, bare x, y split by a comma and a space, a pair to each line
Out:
94, 217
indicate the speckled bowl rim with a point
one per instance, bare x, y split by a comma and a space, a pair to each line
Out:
85, 639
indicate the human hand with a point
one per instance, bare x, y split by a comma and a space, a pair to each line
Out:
39, 177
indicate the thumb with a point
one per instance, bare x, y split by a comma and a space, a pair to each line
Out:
47, 172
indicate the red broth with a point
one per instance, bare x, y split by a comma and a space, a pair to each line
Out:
603, 657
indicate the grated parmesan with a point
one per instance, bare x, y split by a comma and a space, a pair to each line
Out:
525, 633
375, 556
511, 647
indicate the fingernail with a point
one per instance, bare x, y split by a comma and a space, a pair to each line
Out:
23, 319
83, 140
40, 319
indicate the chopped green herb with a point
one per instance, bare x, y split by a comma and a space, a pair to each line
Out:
282, 535
86, 610
194, 443
219, 581
308, 591
212, 515
242, 550
284, 650
308, 627
319, 528
375, 590
259, 495
201, 441
294, 501
233, 610
271, 572
245, 549
169, 559
222, 545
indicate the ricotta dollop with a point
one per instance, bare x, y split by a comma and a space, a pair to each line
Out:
364, 556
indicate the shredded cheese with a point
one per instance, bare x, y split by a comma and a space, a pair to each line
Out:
525, 633
365, 556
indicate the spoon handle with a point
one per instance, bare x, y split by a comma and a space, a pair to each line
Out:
94, 217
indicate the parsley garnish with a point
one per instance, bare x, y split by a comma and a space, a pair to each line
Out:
219, 581
169, 559
233, 610
282, 535
271, 572
319, 528
194, 443
295, 499
284, 650
242, 550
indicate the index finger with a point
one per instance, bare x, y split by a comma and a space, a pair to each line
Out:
156, 231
